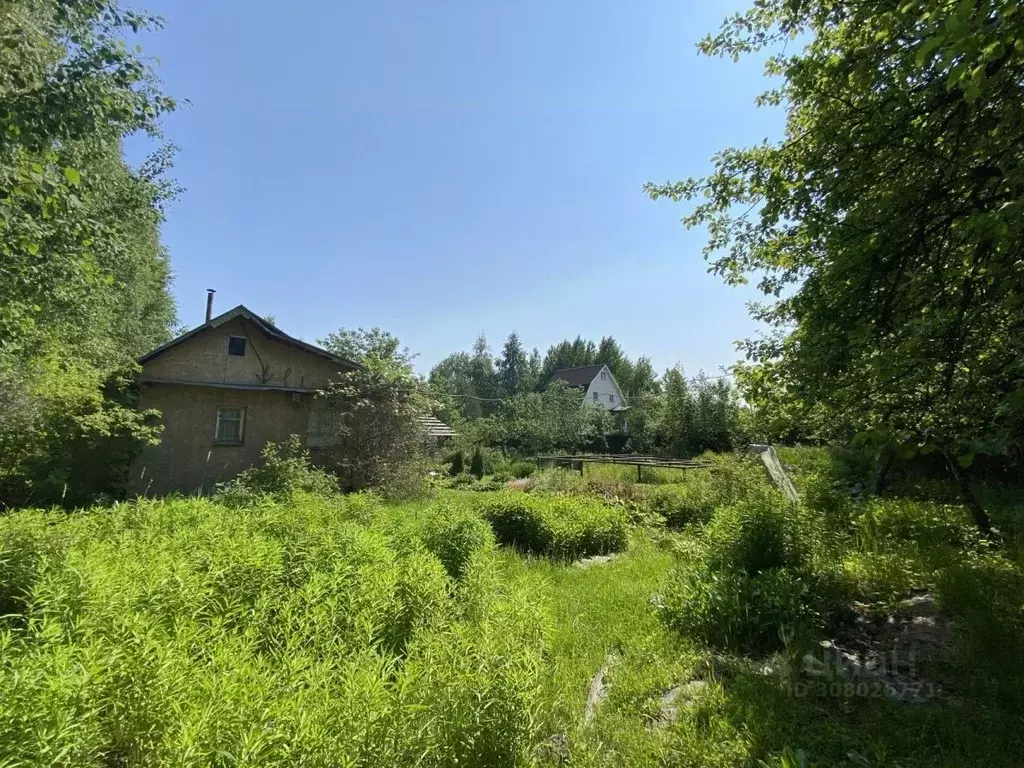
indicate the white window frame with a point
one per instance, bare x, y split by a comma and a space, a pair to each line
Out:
241, 425
611, 397
597, 397
604, 375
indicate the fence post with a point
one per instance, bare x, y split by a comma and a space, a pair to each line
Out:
639, 473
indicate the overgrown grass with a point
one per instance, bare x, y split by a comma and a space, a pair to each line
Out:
310, 633
566, 527
303, 630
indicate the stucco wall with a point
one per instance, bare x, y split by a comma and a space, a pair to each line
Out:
187, 459
205, 358
603, 388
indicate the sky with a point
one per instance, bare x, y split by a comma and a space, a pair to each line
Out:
445, 169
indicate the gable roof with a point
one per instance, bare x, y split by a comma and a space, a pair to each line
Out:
578, 377
435, 427
268, 330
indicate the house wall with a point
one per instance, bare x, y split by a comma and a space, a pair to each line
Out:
186, 459
205, 358
603, 388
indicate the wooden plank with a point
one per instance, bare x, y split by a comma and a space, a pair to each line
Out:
775, 470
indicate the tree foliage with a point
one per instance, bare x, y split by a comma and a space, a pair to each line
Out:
888, 227
555, 419
511, 402
83, 275
375, 413
360, 345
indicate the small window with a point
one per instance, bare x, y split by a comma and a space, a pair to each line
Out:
596, 397
230, 424
611, 398
236, 346
604, 375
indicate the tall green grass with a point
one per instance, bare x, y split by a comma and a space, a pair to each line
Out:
562, 527
316, 632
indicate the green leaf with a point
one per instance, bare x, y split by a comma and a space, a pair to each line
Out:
73, 176
926, 48
966, 460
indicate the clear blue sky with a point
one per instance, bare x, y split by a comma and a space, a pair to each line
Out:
442, 169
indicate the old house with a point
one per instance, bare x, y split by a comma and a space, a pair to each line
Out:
600, 389
224, 390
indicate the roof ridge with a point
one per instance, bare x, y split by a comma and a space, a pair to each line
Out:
243, 311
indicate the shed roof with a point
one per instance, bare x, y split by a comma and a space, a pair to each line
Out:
578, 377
266, 328
435, 427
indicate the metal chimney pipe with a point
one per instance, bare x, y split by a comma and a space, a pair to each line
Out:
209, 303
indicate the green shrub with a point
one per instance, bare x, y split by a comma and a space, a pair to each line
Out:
559, 527
487, 485
735, 611
454, 534
458, 465
756, 535
522, 469
476, 465
462, 481
758, 579
28, 543
830, 498
682, 505
501, 476
407, 480
286, 470
924, 523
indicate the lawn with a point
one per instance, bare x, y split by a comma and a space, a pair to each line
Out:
350, 631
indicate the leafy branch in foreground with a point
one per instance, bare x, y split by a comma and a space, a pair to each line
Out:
888, 227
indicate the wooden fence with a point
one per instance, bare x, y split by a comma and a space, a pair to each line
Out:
580, 462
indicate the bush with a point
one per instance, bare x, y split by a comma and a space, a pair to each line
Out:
924, 523
757, 580
407, 480
682, 505
454, 534
462, 481
458, 465
756, 535
559, 527
522, 469
487, 485
286, 471
735, 611
476, 466
830, 498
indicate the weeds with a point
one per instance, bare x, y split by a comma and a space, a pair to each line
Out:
286, 470
281, 634
559, 527
755, 583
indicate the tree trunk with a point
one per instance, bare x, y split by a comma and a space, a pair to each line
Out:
885, 459
963, 484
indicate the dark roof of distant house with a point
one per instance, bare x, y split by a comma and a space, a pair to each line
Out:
578, 377
267, 329
435, 427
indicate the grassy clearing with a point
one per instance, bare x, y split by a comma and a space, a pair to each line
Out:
313, 631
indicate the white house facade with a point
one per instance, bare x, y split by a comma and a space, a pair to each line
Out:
604, 391
600, 388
